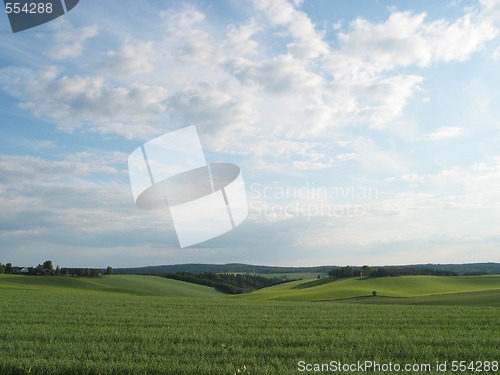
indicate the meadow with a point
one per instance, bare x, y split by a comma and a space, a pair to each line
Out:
115, 325
397, 289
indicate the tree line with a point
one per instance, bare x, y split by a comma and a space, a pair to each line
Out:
367, 271
225, 282
47, 269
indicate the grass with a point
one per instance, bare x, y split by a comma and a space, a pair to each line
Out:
481, 298
58, 331
406, 286
140, 324
127, 284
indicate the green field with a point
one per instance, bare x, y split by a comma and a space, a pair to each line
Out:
481, 298
354, 288
116, 325
128, 284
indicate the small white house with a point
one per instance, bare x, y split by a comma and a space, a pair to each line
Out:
24, 270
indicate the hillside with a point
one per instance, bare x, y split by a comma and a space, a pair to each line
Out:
408, 290
386, 287
125, 284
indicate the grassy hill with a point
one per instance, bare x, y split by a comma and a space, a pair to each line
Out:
395, 288
409, 290
128, 284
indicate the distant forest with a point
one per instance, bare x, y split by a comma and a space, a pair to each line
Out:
226, 282
421, 269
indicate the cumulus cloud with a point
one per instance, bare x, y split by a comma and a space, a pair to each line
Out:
407, 39
189, 40
308, 42
282, 75
239, 41
68, 41
130, 59
73, 101
224, 80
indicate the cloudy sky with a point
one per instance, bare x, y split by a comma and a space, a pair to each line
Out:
366, 132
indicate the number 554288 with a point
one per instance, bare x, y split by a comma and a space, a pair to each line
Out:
28, 8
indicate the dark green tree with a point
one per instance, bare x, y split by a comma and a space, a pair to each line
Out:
47, 265
367, 270
94, 272
2, 268
8, 268
109, 270
347, 271
39, 269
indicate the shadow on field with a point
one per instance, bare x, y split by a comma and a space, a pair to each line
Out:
482, 298
326, 280
313, 283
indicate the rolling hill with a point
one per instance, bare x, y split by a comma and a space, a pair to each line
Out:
128, 284
389, 289
409, 290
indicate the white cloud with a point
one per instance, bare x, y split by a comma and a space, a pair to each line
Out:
222, 80
384, 99
20, 169
407, 39
490, 12
308, 43
130, 59
77, 101
474, 184
444, 132
282, 75
68, 41
188, 38
239, 40
74, 201
224, 113
496, 54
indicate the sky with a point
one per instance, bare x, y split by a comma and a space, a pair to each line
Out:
367, 132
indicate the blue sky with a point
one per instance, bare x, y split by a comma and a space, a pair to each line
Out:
367, 132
